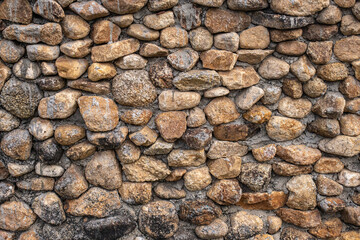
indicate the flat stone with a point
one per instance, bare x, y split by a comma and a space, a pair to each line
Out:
225, 192
239, 78
333, 72
196, 117
291, 48
89, 10
302, 8
197, 179
224, 149
218, 60
131, 62
8, 121
331, 205
349, 178
244, 225
290, 232
221, 110
235, 131
328, 187
186, 158
315, 87
246, 99
211, 3
303, 219
135, 193
330, 106
69, 134
302, 192
101, 87
75, 27
271, 94
255, 176
294, 108
26, 69
216, 92
171, 100
17, 170
49, 170
292, 88
325, 127
112, 51
159, 21
285, 35
22, 220
223, 168
197, 80
320, 52
199, 211
197, 138
201, 39
11, 52
255, 38
284, 129
340, 145
160, 147
143, 33
158, 5
351, 215
280, 21
171, 125
36, 184
144, 137
105, 31
330, 15
169, 191
17, 144
273, 68
49, 208
136, 116
19, 12
253, 56
227, 41
287, 169
328, 165
72, 183
153, 50
319, 32
298, 154
265, 153
52, 83
123, 6
76, 49
221, 20
347, 49
108, 140
173, 37
49, 9
247, 6
184, 59
216, 229
71, 68
175, 175
303, 69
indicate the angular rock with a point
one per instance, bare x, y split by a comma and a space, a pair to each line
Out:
249, 97
76, 49
197, 138
49, 9
303, 69
320, 52
105, 31
255, 38
196, 117
318, 32
253, 56
284, 129
292, 88
72, 183
7, 190
341, 145
328, 187
171, 125
350, 87
188, 15
175, 175
161, 74
349, 124
271, 94
330, 15
349, 178
71, 68
144, 137
160, 147
218, 60
223, 149
10, 52
333, 72
256, 176
49, 151
228, 167
225, 192
75, 27
287, 169
49, 208
244, 225
197, 80
351, 215
349, 25
158, 5
159, 21
325, 127
227, 41
265, 153
302, 192
221, 20
331, 205
303, 219
347, 49
89, 10
303, 8
315, 87
123, 6
69, 134
183, 60
128, 152
331, 105
280, 21
22, 220
8, 121
169, 191
273, 68
108, 140
135, 193
36, 184
216, 229
112, 51
173, 37
101, 88
153, 50
298, 154
285, 35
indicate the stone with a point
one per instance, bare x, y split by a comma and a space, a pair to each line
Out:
292, 88
8, 121
36, 184
171, 125
49, 170
105, 31
22, 220
320, 52
352, 106
7, 190
216, 92
49, 9
184, 59
273, 68
144, 137
333, 72
59, 106
197, 80
197, 138
349, 25
101, 87
133, 88
330, 15
349, 125
49, 151
285, 35
5, 73
247, 98
255, 38
291, 48
262, 201
188, 15
196, 117
72, 183
298, 154
135, 193
95, 202
171, 100
244, 225
349, 178
294, 108
159, 21
294, 233
331, 105
225, 192
235, 131
315, 87
271, 94
199, 211
152, 50
221, 20
356, 198
89, 10
247, 6
303, 219
216, 229
274, 224
103, 170
7, 235
26, 69
11, 52
137, 116
4, 173
331, 205
345, 4
278, 21
173, 37
303, 69
19, 12
197, 179
128, 152
347, 49
161, 74
51, 33
351, 235
328, 165
143, 33
265, 153
131, 62
158, 5
211, 3
218, 60
224, 149
175, 175
76, 49
287, 169
52, 83
201, 39
325, 127
328, 187
48, 68
341, 145
223, 168
355, 10
302, 8
17, 170
49, 208
302, 192
112, 51
123, 6
319, 32
158, 219
69, 134
221, 110
350, 87
99, 71
71, 68
169, 191
227, 41
146, 169
17, 144
255, 176
351, 215
75, 27
284, 129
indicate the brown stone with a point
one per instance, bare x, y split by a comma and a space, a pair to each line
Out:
255, 176
22, 220
247, 6
171, 125
265, 153
292, 88
49, 208
274, 224
52, 83
325, 127
216, 92
228, 167
216, 229
197, 80
330, 15
349, 125
108, 140
199, 212
287, 169
128, 152
302, 192
197, 138
175, 175
143, 33
136, 116
319, 32
131, 62
349, 178
248, 97
71, 68
80, 151
184, 59
99, 71
273, 68
159, 21
291, 48
328, 165
257, 114
49, 9
315, 87
340, 145
197, 179
227, 41
18, 11
253, 56
105, 31
211, 3
271, 94
112, 51
350, 235
218, 60
10, 52
225, 192
349, 25
284, 129
169, 191
101, 87
221, 110
351, 215
224, 149
36, 184
69, 134
244, 225
331, 205
285, 35
135, 193
152, 50
161, 74
304, 219
72, 183
303, 69
144, 137
294, 108
347, 49
298, 154
350, 87
17, 144
75, 27
123, 6
235, 131
255, 38
89, 10
171, 100
328, 187
333, 72
294, 233
196, 117
320, 52
8, 121
188, 15
220, 20
173, 37
303, 8
352, 106
331, 105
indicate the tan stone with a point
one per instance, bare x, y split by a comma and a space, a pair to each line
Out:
285, 35
76, 49
333, 71
143, 33
302, 192
292, 88
349, 178
123, 6
287, 169
22, 220
328, 165
99, 71
174, 100
222, 168
201, 39
253, 56
224, 149
19, 12
328, 187
349, 125
294, 108
128, 152
159, 21
89, 10
216, 92
291, 48
303, 69
136, 116
197, 80
221, 20
186, 158
144, 137
71, 68
227, 41
105, 31
135, 193
341, 145
110, 52
80, 151
265, 153
350, 87
303, 219
255, 38
218, 60
37, 184
175, 175
239, 78
9, 122
299, 8
298, 154
273, 68
274, 224
152, 50
216, 229
100, 88
284, 129
349, 25
320, 52
49, 9
244, 225
171, 125
330, 15
320, 32
69, 134
5, 73
131, 62
197, 179
173, 37
315, 87
196, 117
347, 49
225, 192
330, 106
75, 27
183, 59
257, 114
221, 110
17, 144
207, 3
248, 97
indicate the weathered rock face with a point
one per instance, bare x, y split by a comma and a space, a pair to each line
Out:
22, 220
17, 144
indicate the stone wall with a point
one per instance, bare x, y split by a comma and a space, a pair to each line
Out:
179, 119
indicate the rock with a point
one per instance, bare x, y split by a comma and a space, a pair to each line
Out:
256, 176
280, 21
59, 106
7, 235
144, 137
133, 88
293, 233
49, 170
349, 178
112, 51
274, 224
161, 74
96, 202
346, 49
199, 211
315, 87
7, 190
49, 208
262, 201
285, 35
333, 72
330, 15
221, 110
146, 169
49, 151
123, 6
271, 94
294, 108
17, 144
197, 138
284, 129
69, 134
351, 215
71, 68
101, 88
52, 83
291, 48
223, 149
292, 88
345, 4
197, 179
22, 220
175, 175
325, 127
244, 225
303, 69
350, 87
128, 152
137, 116
216, 92
171, 100
158, 219
247, 6
26, 69
331, 105
17, 170
75, 27
328, 165
349, 235
36, 184
227, 41
253, 56
105, 31
352, 106
302, 192
89, 10
287, 169
152, 50
159, 21
235, 131
171, 125
141, 32
168, 191
5, 73
349, 125
249, 97
19, 12
131, 62
4, 173
72, 183
158, 5
303, 219
228, 167
159, 147
318, 32
349, 25
48, 68
197, 80
216, 229
303, 8
49, 9
184, 59
201, 39
221, 20
196, 117
331, 205
341, 145
76, 49
328, 187
188, 15
273, 68
265, 153
135, 193
10, 52
212, 3
173, 37
320, 52
255, 38
218, 60
298, 154
355, 10
8, 121
225, 192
